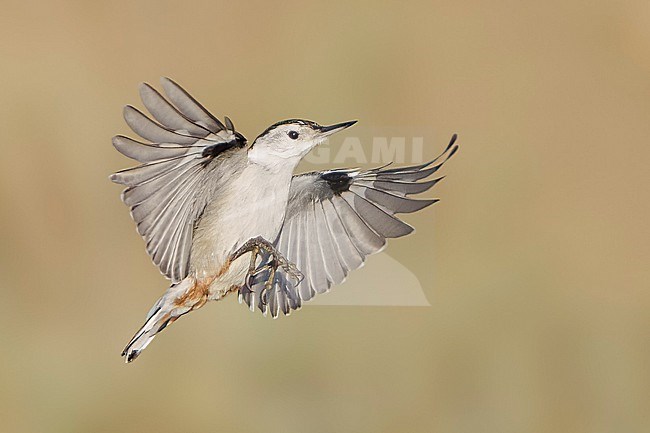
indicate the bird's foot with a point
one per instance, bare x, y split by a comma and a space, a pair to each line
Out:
271, 262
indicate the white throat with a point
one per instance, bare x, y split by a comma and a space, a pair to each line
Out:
273, 160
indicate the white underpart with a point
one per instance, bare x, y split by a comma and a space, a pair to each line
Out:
253, 205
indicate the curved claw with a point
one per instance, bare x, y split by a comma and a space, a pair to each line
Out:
271, 262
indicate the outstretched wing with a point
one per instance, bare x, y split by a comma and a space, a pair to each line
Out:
168, 192
334, 220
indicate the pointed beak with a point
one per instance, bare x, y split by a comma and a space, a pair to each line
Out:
333, 129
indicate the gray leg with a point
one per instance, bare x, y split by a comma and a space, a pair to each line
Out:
272, 261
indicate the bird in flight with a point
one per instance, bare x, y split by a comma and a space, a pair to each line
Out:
221, 216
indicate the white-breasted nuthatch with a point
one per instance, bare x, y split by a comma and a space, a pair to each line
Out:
220, 216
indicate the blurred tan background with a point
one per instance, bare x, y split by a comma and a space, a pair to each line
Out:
535, 261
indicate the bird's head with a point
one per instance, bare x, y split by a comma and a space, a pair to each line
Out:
289, 141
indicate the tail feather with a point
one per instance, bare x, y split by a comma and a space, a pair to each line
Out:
156, 323
164, 312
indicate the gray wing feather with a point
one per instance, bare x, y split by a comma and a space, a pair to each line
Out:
363, 238
333, 269
189, 106
150, 130
383, 223
390, 202
397, 187
349, 256
335, 219
318, 274
145, 172
166, 114
144, 152
301, 250
168, 191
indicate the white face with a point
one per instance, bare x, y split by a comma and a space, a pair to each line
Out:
284, 145
289, 141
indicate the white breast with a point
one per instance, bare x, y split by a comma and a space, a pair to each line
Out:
252, 204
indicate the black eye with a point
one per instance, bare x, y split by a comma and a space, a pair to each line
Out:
293, 135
